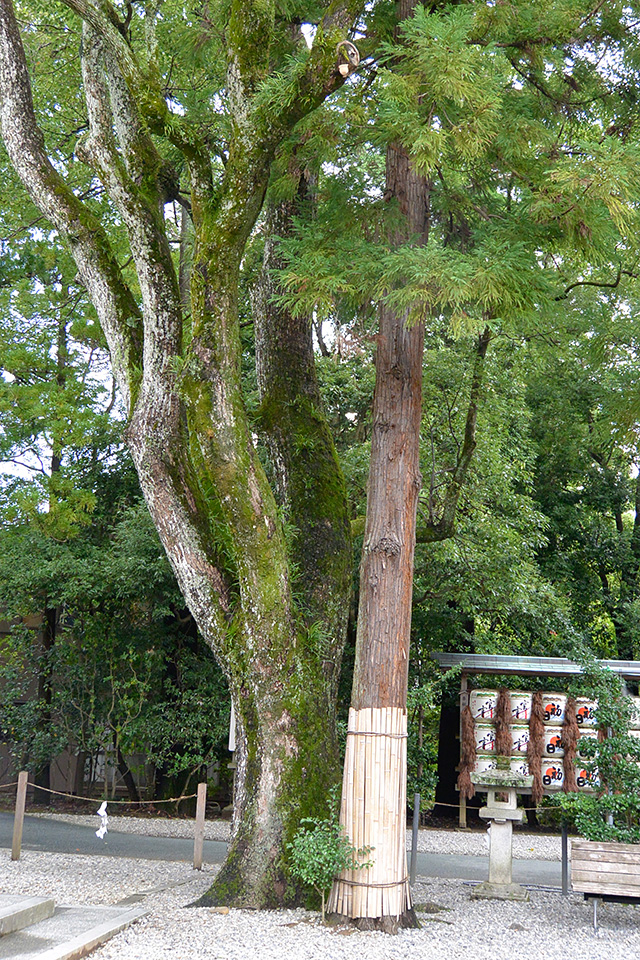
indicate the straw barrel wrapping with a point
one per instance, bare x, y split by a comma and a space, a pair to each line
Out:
570, 734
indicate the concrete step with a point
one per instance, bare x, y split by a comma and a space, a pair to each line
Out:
19, 912
71, 933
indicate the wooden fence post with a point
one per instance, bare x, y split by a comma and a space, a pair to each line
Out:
198, 842
464, 700
18, 819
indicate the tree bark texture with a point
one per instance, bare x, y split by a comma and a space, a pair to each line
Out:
373, 810
311, 488
180, 378
308, 477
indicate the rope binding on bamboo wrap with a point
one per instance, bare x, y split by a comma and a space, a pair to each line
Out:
361, 883
376, 733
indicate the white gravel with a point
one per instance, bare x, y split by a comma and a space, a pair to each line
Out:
549, 926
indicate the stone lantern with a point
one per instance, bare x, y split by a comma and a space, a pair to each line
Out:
502, 786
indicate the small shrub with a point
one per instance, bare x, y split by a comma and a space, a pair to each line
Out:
320, 850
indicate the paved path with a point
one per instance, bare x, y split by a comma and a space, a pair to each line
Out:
56, 836
60, 837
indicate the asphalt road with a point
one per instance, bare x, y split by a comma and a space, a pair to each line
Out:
56, 836
59, 837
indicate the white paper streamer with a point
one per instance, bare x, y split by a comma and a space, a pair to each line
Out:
104, 820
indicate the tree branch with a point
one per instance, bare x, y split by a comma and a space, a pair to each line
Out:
131, 180
597, 283
445, 527
162, 459
164, 466
320, 76
144, 87
97, 265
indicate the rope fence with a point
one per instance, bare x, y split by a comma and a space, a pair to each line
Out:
375, 886
74, 796
21, 795
187, 796
456, 806
128, 803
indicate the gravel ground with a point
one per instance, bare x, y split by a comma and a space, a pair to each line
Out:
549, 926
526, 846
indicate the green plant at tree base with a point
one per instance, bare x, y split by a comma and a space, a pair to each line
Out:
613, 812
320, 850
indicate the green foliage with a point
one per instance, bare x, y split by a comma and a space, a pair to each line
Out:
126, 670
460, 114
423, 711
320, 850
530, 150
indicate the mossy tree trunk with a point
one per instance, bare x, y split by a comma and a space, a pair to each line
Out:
311, 490
179, 376
308, 479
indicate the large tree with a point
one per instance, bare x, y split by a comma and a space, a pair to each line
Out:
374, 785
482, 238
193, 105
182, 105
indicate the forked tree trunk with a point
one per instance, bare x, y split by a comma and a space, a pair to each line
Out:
373, 810
188, 429
288, 754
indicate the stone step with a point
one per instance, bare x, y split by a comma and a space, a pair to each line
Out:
16, 913
71, 933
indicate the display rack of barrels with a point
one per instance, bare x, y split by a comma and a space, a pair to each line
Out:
483, 709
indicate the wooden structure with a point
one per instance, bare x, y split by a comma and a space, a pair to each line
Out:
471, 663
605, 871
529, 666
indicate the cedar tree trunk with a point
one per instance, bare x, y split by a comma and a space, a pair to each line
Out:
373, 810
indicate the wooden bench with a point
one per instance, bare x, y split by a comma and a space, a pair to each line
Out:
605, 871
